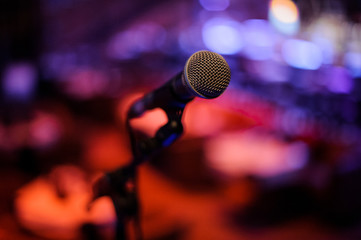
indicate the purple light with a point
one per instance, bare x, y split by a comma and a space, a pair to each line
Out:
19, 81
85, 82
189, 39
223, 36
339, 80
144, 37
259, 39
214, 5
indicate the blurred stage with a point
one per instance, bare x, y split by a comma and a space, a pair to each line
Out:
276, 156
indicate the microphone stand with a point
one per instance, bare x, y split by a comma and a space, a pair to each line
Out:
121, 185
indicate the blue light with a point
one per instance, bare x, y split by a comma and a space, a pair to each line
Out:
223, 36
353, 62
302, 54
189, 39
326, 46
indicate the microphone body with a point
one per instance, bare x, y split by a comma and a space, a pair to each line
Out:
206, 75
170, 94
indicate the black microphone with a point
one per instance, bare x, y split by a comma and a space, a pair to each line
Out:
206, 74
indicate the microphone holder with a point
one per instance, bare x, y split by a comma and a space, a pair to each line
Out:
121, 185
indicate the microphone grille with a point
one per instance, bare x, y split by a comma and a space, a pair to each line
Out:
207, 74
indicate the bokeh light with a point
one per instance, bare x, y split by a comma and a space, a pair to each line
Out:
214, 5
223, 35
328, 32
353, 63
235, 154
284, 16
19, 81
302, 54
339, 80
144, 37
259, 39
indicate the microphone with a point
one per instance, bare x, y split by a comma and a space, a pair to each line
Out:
206, 74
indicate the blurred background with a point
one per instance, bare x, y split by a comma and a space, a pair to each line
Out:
277, 156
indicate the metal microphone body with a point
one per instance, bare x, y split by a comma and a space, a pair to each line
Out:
206, 74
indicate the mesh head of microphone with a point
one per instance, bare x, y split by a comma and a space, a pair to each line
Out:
207, 74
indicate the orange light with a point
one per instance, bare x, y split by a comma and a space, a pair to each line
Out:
285, 11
